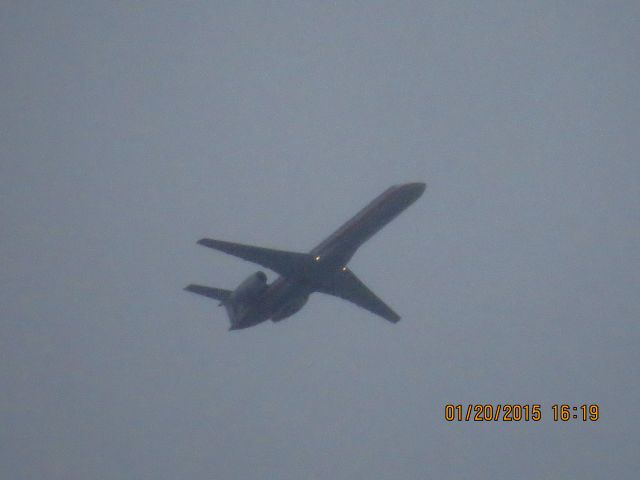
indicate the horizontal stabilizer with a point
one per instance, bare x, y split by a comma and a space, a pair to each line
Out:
216, 293
287, 264
347, 286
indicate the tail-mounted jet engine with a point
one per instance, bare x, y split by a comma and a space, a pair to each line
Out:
250, 289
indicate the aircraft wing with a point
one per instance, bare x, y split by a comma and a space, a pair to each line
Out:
349, 287
287, 264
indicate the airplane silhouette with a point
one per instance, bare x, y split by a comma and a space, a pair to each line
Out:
323, 269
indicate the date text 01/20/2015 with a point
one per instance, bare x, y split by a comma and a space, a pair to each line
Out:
488, 412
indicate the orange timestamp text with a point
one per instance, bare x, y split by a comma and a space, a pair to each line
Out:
488, 412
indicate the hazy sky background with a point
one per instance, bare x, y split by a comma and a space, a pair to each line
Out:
130, 129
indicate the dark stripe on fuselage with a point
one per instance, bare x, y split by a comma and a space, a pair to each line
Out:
343, 243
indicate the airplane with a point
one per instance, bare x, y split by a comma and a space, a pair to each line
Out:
323, 269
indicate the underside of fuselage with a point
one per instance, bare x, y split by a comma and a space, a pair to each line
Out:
279, 300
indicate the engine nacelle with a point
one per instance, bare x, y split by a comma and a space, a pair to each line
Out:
250, 289
289, 308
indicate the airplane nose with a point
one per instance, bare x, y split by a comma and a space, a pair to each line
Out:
420, 187
416, 188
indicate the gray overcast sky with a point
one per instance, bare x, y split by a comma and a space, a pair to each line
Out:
130, 129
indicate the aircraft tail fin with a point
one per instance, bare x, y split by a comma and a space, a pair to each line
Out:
216, 293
